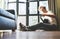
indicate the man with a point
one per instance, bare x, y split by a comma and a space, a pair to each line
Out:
49, 21
47, 15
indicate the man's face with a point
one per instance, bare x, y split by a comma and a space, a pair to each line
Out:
42, 9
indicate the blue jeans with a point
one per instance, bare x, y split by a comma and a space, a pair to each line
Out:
44, 26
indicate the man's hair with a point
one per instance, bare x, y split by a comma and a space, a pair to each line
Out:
43, 7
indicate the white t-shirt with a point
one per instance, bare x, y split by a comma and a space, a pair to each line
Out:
51, 19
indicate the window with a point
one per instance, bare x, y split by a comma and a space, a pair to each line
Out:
12, 6
33, 20
22, 9
27, 10
33, 7
32, 11
22, 19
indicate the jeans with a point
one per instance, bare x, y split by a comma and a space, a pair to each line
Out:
43, 26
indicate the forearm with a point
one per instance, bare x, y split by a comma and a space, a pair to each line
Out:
52, 15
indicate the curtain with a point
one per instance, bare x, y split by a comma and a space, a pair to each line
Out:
3, 4
51, 4
53, 7
58, 12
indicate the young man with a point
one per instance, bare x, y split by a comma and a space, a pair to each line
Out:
47, 15
49, 21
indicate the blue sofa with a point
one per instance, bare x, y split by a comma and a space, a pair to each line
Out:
7, 20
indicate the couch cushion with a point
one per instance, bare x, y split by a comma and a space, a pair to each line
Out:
6, 14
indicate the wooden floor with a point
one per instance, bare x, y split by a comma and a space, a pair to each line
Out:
32, 35
7, 35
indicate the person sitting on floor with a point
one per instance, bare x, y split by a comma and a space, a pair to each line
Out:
49, 23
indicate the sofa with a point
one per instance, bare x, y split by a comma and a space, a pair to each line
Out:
7, 20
